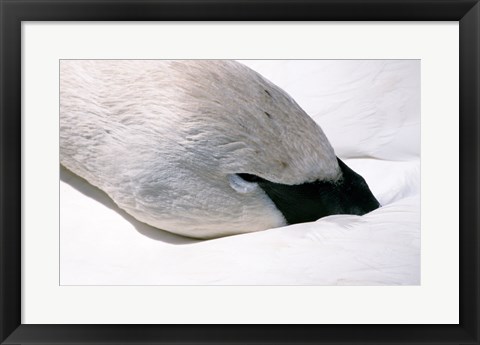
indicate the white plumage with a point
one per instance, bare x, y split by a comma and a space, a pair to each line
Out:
163, 139
101, 245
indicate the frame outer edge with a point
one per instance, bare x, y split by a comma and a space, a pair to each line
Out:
10, 181
10, 171
469, 171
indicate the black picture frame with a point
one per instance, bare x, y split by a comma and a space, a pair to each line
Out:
13, 12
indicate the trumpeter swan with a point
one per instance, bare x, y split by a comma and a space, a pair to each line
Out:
201, 148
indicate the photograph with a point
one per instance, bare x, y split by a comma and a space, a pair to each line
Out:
240, 172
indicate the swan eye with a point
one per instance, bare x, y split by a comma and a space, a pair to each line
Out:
243, 183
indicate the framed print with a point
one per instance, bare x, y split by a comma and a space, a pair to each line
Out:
313, 168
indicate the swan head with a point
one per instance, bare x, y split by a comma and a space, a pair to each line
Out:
211, 148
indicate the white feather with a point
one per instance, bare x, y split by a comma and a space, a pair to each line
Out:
101, 245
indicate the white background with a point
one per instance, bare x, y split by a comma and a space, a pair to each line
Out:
44, 301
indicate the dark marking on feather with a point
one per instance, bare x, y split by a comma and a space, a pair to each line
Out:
268, 93
269, 116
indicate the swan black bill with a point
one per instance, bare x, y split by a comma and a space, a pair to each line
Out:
311, 201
